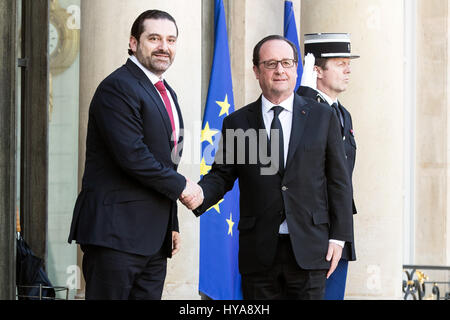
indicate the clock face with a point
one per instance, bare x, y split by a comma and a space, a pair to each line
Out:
63, 41
53, 39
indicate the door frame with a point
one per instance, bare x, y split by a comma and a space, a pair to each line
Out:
34, 125
8, 58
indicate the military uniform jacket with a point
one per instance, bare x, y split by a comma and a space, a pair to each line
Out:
348, 139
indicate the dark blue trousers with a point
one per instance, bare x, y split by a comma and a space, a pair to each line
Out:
335, 285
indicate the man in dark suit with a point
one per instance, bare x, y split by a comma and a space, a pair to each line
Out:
290, 217
125, 217
326, 76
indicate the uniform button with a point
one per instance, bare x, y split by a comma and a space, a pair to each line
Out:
343, 138
284, 188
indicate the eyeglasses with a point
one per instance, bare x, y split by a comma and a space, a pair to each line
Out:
273, 64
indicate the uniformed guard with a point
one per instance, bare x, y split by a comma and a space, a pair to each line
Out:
326, 74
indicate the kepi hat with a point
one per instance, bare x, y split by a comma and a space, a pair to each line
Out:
329, 45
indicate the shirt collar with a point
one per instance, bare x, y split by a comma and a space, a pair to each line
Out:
286, 104
152, 77
327, 98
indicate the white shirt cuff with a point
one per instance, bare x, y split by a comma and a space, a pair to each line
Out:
338, 242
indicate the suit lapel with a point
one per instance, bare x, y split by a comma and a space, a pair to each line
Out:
254, 116
256, 121
300, 115
180, 117
144, 81
345, 115
175, 100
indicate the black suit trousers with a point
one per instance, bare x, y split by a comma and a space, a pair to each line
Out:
116, 275
285, 280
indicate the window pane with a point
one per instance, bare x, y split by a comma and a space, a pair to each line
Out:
64, 33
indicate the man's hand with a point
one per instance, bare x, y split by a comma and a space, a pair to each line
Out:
192, 196
176, 242
334, 255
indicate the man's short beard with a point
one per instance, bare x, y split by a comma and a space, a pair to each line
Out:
156, 67
159, 66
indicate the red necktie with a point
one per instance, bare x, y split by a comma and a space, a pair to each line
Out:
162, 90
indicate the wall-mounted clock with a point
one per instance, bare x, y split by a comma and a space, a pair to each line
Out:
64, 42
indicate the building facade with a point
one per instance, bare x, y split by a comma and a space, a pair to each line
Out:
55, 53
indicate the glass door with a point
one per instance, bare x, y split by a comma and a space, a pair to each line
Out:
63, 114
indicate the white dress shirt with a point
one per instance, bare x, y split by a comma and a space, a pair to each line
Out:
286, 123
154, 79
285, 119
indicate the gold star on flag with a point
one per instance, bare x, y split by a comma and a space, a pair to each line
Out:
204, 168
225, 106
230, 225
216, 206
208, 133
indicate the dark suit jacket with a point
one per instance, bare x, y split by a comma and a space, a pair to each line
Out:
348, 139
130, 184
315, 170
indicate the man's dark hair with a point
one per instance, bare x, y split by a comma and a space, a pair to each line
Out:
138, 26
268, 38
321, 63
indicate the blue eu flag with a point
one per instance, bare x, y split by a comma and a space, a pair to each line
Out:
219, 271
290, 33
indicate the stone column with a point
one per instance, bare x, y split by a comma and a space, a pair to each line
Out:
375, 100
447, 101
105, 31
432, 132
432, 223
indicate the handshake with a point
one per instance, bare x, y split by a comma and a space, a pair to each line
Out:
192, 195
